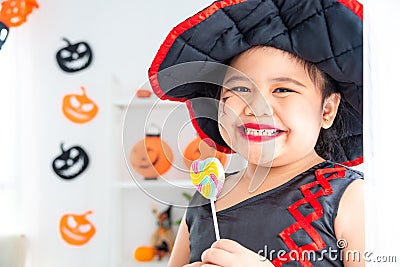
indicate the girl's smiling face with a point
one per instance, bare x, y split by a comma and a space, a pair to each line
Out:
271, 111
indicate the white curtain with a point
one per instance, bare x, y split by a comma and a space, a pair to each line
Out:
381, 121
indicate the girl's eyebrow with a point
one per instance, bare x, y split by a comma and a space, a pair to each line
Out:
287, 79
241, 78
237, 78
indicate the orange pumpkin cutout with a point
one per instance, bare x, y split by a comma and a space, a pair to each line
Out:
79, 108
76, 229
151, 156
199, 149
14, 12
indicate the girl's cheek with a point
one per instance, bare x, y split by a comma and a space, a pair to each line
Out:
232, 107
227, 119
225, 134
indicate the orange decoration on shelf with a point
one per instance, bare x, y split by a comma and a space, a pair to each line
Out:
143, 93
151, 156
199, 149
14, 12
76, 229
79, 108
144, 253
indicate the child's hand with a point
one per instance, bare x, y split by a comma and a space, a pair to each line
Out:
226, 253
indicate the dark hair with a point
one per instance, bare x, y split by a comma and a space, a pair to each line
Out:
328, 139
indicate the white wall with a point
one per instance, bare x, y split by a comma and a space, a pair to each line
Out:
8, 119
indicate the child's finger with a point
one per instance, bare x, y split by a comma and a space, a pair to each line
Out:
194, 264
216, 256
227, 245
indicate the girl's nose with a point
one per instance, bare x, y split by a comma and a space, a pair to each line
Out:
258, 107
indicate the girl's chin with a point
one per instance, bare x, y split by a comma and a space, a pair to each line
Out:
267, 162
263, 160
258, 155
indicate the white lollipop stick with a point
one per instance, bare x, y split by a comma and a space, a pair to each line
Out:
214, 215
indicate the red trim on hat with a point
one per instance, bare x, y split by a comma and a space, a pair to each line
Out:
354, 162
355, 6
202, 134
173, 35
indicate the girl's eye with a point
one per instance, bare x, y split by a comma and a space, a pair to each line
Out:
239, 89
283, 90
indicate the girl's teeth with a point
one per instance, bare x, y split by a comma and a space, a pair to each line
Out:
262, 132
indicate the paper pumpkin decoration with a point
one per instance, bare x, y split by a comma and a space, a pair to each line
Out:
200, 149
151, 156
76, 229
74, 57
70, 163
14, 12
3, 33
79, 108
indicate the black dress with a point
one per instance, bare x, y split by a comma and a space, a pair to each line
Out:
291, 225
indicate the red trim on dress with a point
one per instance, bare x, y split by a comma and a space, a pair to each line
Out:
303, 222
354, 162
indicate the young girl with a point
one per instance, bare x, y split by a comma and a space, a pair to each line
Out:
290, 103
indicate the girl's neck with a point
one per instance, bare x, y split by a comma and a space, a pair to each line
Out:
274, 176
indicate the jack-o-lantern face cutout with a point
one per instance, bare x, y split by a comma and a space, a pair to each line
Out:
201, 149
71, 162
14, 12
79, 108
3, 34
74, 57
151, 156
76, 229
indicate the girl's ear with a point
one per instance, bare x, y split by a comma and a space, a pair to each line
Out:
330, 108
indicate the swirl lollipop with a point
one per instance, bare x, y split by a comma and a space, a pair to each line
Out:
208, 176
